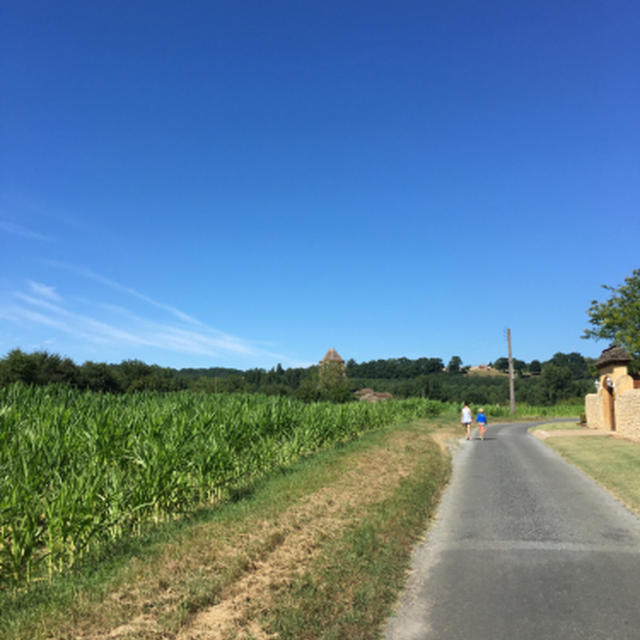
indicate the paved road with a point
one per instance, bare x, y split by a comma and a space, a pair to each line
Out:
525, 546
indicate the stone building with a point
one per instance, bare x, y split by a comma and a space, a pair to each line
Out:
616, 404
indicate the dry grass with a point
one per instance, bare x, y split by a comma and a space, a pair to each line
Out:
494, 373
566, 429
220, 578
322, 515
560, 426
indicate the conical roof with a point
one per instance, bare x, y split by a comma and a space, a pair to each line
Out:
332, 356
615, 354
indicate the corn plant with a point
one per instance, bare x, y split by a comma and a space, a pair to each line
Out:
80, 469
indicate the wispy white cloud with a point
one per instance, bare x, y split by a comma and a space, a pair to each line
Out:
43, 290
139, 331
74, 322
200, 341
22, 314
97, 331
114, 328
91, 275
23, 232
203, 340
39, 302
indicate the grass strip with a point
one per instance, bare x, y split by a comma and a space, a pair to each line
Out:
349, 590
612, 462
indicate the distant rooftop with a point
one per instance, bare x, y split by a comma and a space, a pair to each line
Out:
332, 356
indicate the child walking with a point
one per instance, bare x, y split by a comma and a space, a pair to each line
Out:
481, 419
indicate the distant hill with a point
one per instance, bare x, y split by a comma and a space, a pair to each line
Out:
485, 370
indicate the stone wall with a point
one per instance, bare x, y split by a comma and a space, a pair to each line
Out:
628, 414
593, 411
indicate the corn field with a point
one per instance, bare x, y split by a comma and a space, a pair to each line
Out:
79, 469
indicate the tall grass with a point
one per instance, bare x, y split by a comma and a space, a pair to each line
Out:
530, 411
79, 470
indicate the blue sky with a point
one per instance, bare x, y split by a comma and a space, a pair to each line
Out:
246, 183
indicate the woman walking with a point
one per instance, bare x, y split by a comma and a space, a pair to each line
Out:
467, 419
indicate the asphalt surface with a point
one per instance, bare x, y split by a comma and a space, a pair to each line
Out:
525, 546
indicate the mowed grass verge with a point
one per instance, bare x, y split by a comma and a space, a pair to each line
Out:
558, 426
613, 463
318, 550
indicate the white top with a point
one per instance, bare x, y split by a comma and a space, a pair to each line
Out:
466, 415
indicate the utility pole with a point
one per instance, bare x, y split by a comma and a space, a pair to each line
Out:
512, 393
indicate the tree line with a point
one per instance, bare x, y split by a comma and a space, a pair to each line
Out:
565, 376
561, 378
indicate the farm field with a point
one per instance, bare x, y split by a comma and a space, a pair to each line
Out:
81, 469
319, 547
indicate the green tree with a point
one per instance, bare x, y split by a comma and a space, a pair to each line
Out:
331, 375
519, 366
454, 364
99, 376
574, 361
158, 380
535, 367
556, 382
19, 367
428, 365
618, 318
327, 381
501, 364
130, 370
39, 367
